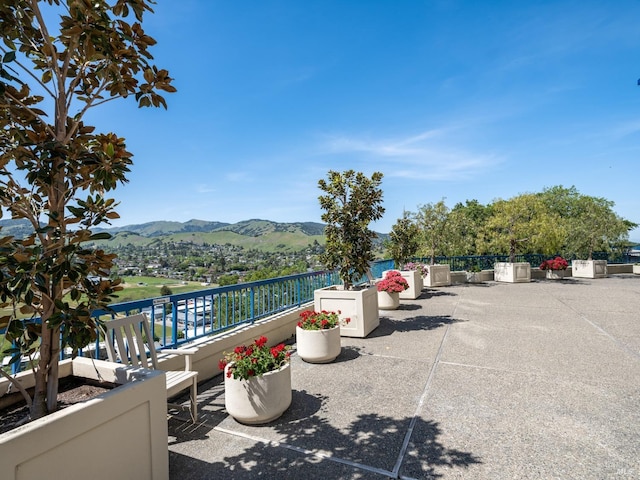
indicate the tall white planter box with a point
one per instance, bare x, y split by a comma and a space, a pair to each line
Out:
589, 268
118, 434
361, 306
517, 272
636, 269
438, 276
415, 281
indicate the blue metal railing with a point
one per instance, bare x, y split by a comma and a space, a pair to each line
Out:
184, 317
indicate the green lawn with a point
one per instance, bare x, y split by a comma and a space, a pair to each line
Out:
138, 288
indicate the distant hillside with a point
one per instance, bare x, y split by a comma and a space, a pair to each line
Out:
256, 228
17, 228
263, 235
159, 228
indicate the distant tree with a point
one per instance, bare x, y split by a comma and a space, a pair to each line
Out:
165, 290
464, 224
522, 224
228, 280
60, 58
404, 240
590, 224
432, 222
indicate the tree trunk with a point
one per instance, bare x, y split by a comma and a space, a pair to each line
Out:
39, 405
512, 251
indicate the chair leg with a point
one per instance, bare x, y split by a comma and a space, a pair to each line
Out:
194, 401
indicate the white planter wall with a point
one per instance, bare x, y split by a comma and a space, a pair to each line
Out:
589, 268
361, 306
636, 269
517, 272
439, 276
119, 434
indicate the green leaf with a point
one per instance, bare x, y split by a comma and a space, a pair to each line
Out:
9, 57
100, 236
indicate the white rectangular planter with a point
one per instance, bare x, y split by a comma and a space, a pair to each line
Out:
439, 276
589, 268
517, 272
636, 269
361, 306
414, 279
479, 277
119, 434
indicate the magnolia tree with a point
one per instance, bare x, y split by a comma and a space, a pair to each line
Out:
351, 201
60, 59
404, 240
520, 223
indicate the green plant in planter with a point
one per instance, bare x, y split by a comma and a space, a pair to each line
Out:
351, 202
55, 170
590, 223
404, 240
519, 221
432, 221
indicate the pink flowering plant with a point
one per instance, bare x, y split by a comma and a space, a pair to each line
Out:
255, 360
420, 267
310, 320
393, 282
557, 263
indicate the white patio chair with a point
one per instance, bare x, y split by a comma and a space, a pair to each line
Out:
129, 340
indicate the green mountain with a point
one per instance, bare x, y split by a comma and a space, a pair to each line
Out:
17, 228
155, 229
263, 235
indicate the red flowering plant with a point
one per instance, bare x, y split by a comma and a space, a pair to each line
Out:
557, 263
255, 360
393, 282
310, 320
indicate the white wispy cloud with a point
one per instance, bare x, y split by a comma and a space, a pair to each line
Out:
426, 155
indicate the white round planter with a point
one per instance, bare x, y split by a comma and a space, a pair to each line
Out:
318, 346
555, 274
388, 301
260, 399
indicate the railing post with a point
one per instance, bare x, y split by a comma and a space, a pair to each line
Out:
252, 304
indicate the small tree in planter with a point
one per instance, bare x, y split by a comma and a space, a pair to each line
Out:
55, 170
351, 202
404, 240
596, 227
522, 220
590, 222
432, 223
432, 220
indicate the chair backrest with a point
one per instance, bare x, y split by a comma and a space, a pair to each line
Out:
130, 341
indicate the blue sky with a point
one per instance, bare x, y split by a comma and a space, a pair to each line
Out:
448, 99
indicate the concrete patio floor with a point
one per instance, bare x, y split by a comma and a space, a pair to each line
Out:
487, 381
